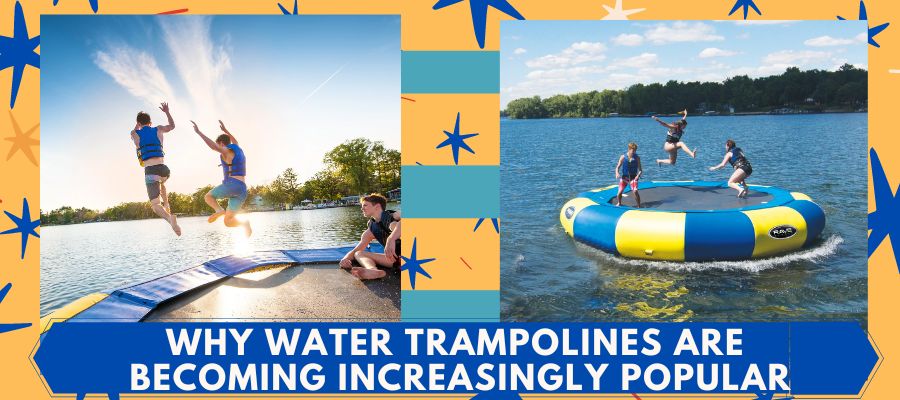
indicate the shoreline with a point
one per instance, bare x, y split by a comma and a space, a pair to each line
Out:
736, 114
193, 215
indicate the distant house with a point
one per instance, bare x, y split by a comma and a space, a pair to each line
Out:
350, 200
394, 195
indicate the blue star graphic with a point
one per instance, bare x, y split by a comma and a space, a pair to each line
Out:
414, 266
479, 10
286, 12
747, 4
457, 141
9, 327
24, 226
18, 52
494, 220
872, 31
95, 4
883, 221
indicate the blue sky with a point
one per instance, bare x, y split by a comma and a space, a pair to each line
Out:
289, 89
545, 58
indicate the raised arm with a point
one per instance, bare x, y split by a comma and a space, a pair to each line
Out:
164, 107
685, 115
722, 164
209, 142
222, 126
661, 122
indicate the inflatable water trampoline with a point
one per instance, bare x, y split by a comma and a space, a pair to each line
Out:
264, 285
694, 221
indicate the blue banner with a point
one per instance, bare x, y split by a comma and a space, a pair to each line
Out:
178, 358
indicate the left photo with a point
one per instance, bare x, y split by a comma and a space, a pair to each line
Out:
220, 168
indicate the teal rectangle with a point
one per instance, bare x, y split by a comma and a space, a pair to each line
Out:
450, 72
450, 305
451, 191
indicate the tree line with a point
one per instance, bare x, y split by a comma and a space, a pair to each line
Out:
354, 167
813, 90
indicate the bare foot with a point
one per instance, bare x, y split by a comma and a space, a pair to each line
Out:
694, 153
743, 193
657, 163
212, 218
365, 273
175, 226
247, 230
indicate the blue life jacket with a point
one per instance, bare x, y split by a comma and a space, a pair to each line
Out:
737, 156
629, 167
238, 166
148, 144
382, 228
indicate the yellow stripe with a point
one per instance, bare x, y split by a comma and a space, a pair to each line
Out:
70, 310
665, 243
766, 219
800, 196
604, 188
577, 204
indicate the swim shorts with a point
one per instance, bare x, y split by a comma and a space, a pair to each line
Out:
626, 181
154, 177
233, 190
745, 166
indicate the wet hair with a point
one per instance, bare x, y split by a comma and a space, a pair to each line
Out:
143, 118
632, 146
223, 138
730, 144
375, 198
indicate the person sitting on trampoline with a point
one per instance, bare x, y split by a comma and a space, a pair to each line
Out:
628, 171
673, 139
742, 168
384, 227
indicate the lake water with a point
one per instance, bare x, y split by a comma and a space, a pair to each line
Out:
546, 276
77, 260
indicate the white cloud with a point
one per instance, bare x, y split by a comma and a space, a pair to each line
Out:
519, 51
641, 61
795, 57
628, 39
715, 52
137, 72
825, 41
862, 37
201, 64
682, 32
559, 73
577, 53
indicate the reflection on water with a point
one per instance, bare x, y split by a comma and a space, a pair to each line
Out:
77, 260
546, 276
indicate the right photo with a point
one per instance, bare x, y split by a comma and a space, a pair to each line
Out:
684, 171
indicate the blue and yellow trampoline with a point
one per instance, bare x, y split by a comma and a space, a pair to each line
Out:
694, 221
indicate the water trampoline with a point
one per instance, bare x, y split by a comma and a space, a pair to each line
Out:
269, 285
694, 221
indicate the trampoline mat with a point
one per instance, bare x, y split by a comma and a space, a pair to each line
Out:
683, 198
